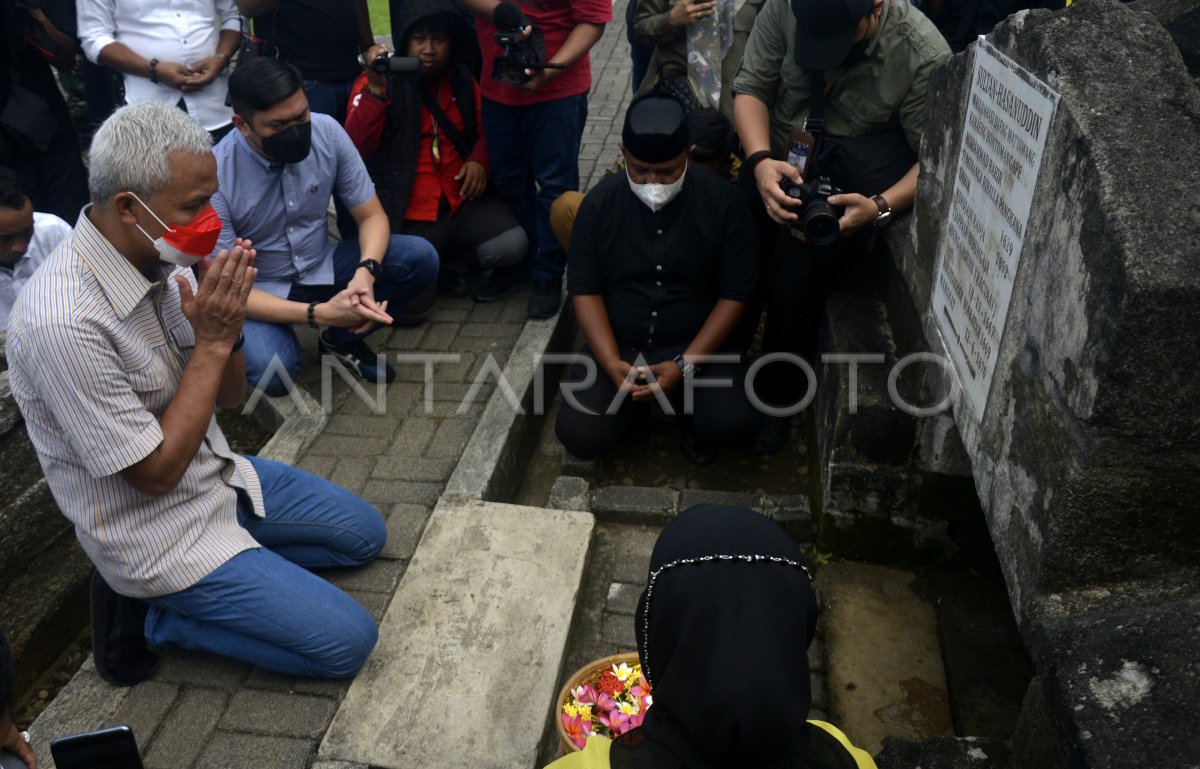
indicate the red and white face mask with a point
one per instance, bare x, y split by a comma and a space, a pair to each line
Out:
185, 244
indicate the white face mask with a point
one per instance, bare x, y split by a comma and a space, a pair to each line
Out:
655, 196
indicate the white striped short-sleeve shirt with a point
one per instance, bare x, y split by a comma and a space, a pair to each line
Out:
96, 352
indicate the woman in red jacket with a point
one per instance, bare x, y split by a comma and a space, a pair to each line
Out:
422, 139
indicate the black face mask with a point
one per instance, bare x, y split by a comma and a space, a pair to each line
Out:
291, 145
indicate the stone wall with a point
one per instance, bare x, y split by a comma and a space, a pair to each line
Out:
1087, 454
894, 486
43, 571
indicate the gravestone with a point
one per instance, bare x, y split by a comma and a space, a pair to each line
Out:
1064, 288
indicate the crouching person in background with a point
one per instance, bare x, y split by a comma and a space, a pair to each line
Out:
421, 134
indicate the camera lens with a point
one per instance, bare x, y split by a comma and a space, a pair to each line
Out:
820, 223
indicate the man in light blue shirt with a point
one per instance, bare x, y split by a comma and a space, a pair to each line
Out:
277, 172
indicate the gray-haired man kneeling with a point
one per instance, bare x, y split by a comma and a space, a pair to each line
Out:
118, 356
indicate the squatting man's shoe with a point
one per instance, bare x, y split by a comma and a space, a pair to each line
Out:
357, 356
545, 298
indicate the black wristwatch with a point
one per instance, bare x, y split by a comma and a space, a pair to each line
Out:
371, 265
154, 70
689, 370
755, 158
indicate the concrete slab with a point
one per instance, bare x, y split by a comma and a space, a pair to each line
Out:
484, 603
84, 703
885, 672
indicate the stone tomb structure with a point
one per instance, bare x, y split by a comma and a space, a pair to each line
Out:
1064, 288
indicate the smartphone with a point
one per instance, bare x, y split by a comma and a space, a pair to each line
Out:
111, 748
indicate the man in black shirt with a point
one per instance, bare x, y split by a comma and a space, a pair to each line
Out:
660, 268
322, 39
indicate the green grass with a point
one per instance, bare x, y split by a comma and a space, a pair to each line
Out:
381, 23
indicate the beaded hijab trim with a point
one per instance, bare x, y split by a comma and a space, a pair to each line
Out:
701, 559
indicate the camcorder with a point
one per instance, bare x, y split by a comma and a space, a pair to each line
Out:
389, 64
519, 52
818, 219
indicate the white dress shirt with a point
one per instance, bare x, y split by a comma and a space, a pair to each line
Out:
182, 31
48, 232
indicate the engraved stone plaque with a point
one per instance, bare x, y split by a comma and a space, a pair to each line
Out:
1003, 140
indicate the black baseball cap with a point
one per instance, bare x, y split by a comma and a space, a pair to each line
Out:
825, 30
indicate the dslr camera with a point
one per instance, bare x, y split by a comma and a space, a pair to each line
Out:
818, 222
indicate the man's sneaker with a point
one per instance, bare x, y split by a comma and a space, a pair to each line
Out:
545, 299
772, 437
695, 448
119, 636
452, 284
501, 283
359, 358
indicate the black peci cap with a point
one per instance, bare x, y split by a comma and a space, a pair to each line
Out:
656, 129
825, 30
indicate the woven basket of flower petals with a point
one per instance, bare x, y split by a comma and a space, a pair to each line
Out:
608, 697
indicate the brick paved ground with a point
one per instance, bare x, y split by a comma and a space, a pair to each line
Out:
202, 711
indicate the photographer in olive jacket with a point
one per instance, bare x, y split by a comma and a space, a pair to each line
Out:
864, 66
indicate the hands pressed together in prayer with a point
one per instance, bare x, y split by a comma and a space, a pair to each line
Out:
642, 382
217, 307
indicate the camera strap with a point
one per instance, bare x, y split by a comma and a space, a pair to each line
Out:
442, 121
814, 124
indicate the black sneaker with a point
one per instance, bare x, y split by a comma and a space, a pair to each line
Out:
695, 448
772, 437
452, 284
119, 636
359, 358
501, 283
545, 299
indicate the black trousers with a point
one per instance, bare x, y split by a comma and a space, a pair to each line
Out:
482, 233
724, 414
795, 280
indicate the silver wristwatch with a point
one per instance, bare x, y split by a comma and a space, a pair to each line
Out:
885, 210
687, 368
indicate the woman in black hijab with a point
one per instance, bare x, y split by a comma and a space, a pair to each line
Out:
723, 630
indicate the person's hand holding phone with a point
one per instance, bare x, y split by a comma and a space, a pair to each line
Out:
14, 742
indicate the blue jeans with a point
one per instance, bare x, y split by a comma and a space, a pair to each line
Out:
410, 265
262, 606
329, 97
534, 153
